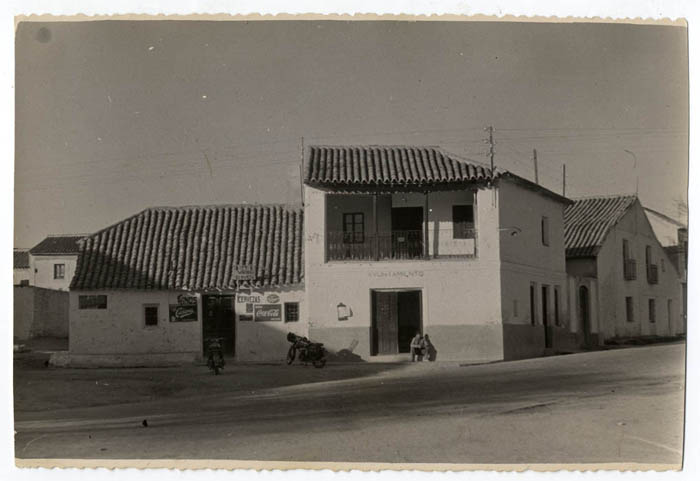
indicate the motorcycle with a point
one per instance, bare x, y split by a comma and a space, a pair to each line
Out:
215, 355
312, 352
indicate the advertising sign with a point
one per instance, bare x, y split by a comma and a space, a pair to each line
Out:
268, 312
243, 272
185, 310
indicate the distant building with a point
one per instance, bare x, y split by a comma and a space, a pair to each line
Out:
53, 261
622, 280
665, 227
673, 235
22, 274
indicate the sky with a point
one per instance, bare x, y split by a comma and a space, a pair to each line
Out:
114, 117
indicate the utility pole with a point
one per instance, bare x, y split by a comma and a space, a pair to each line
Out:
563, 180
534, 159
301, 172
489, 129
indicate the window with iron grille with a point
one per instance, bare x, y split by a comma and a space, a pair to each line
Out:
59, 271
545, 231
150, 315
463, 221
652, 310
354, 228
291, 312
92, 302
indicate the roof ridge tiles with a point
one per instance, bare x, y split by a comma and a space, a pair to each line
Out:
604, 196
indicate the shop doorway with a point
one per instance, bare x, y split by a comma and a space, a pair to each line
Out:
396, 316
219, 321
584, 315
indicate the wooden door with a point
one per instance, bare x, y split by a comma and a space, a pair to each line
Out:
409, 318
385, 322
584, 315
545, 317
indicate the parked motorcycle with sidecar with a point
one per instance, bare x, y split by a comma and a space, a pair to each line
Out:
309, 352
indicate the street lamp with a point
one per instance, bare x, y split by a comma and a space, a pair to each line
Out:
634, 167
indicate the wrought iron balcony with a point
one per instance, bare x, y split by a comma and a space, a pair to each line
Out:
630, 269
398, 245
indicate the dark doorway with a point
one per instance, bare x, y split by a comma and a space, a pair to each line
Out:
396, 316
219, 321
584, 315
407, 232
545, 317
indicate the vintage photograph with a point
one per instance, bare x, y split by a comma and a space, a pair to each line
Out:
364, 243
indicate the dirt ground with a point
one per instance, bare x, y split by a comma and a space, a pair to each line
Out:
38, 386
620, 405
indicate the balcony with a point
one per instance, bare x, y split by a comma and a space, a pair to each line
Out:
399, 245
652, 274
630, 269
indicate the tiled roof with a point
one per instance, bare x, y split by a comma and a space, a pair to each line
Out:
58, 244
20, 259
588, 221
380, 165
194, 248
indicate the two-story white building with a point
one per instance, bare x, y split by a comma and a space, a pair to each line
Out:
622, 281
406, 239
53, 261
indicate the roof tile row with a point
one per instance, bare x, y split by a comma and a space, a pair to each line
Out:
588, 221
378, 165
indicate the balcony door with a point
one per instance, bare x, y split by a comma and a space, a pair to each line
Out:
407, 232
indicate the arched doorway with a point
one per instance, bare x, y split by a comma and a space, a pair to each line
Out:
584, 314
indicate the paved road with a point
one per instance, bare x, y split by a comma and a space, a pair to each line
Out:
621, 405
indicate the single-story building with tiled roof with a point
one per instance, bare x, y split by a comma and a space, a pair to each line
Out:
53, 261
152, 288
621, 278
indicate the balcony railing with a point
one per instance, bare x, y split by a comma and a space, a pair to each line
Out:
398, 245
652, 274
630, 269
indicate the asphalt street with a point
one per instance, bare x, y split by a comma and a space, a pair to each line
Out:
622, 405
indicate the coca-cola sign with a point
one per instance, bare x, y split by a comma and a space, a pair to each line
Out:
185, 310
268, 312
